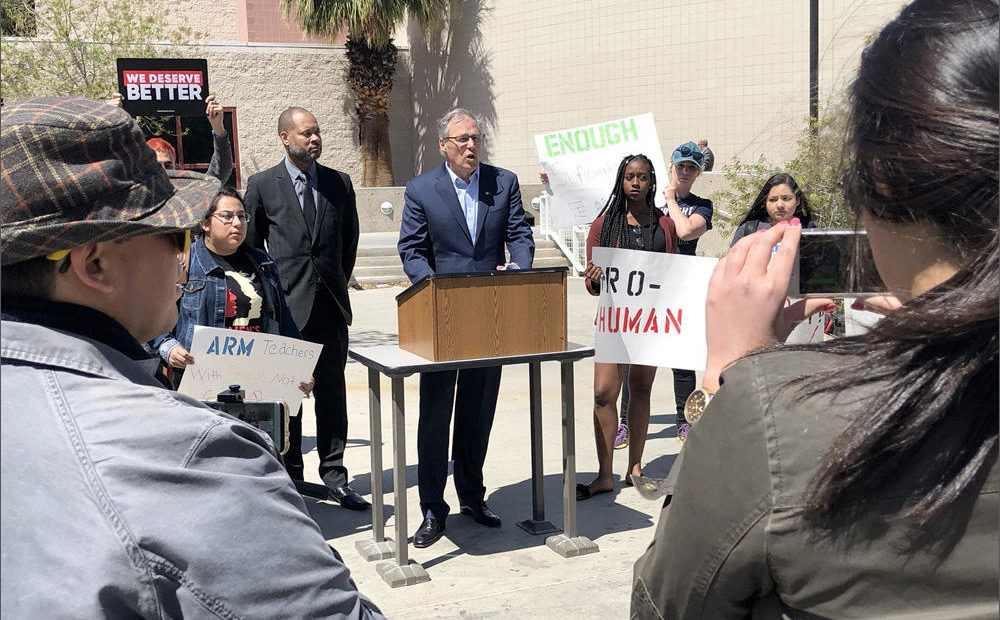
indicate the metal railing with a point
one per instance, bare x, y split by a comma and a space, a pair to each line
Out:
572, 242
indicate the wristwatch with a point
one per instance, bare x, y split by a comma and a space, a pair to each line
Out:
696, 404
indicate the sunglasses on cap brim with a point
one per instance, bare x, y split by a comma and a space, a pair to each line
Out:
687, 151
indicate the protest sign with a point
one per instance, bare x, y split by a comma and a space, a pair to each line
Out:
582, 163
163, 85
266, 366
857, 322
652, 308
812, 329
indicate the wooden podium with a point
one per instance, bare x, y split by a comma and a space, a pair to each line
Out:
457, 316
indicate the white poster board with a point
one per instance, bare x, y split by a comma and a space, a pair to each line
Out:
651, 310
266, 367
857, 322
811, 330
582, 162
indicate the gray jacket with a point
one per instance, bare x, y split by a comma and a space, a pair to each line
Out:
731, 542
122, 499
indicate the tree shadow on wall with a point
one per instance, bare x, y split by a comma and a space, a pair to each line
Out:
451, 68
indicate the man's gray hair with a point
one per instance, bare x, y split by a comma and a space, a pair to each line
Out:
456, 113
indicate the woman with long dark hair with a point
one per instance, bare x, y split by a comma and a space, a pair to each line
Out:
630, 220
229, 284
859, 477
779, 200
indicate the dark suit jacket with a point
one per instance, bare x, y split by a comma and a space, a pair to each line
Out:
434, 236
306, 260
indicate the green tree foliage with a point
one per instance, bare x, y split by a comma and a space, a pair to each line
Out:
372, 63
818, 164
72, 45
17, 18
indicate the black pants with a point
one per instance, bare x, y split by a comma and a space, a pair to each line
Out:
326, 326
474, 407
684, 381
623, 409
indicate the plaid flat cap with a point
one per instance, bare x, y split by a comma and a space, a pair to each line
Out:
77, 171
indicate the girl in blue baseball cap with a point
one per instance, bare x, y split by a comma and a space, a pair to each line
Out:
692, 217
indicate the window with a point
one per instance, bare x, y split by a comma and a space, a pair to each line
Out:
192, 137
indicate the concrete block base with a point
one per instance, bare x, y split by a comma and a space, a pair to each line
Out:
571, 547
397, 576
372, 550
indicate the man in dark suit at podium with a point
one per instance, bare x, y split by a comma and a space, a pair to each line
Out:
306, 213
457, 218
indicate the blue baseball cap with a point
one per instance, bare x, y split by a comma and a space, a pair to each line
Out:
688, 151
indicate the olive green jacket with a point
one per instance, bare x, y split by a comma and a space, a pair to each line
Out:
731, 543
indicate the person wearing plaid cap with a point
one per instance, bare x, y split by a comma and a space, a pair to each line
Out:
122, 498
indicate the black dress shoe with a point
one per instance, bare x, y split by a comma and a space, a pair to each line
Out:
348, 498
482, 514
429, 533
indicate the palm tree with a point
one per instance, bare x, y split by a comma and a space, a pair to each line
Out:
372, 58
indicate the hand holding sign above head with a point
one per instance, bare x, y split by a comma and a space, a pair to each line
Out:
745, 309
215, 115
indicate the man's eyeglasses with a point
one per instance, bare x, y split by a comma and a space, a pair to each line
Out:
687, 151
463, 140
227, 217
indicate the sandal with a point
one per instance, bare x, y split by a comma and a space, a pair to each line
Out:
583, 492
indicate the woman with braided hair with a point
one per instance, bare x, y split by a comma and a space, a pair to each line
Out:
629, 220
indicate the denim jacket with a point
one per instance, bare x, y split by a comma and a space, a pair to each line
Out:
204, 299
125, 500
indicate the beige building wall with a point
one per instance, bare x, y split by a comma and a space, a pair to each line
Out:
734, 71
262, 78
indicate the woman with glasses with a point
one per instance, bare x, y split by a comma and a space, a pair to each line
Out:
859, 478
229, 284
629, 220
779, 200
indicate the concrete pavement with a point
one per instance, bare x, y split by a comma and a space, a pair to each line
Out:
479, 572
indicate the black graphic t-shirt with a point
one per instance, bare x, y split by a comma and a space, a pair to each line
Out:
689, 205
245, 303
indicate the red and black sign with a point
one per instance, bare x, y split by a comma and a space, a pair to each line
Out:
163, 85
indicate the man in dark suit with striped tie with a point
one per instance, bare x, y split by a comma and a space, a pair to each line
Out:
306, 215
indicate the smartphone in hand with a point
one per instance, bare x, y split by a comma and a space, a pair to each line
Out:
835, 262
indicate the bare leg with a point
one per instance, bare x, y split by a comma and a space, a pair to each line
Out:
640, 386
607, 383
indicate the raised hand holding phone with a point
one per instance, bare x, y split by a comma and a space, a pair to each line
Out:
745, 309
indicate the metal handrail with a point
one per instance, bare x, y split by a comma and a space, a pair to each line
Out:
572, 242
